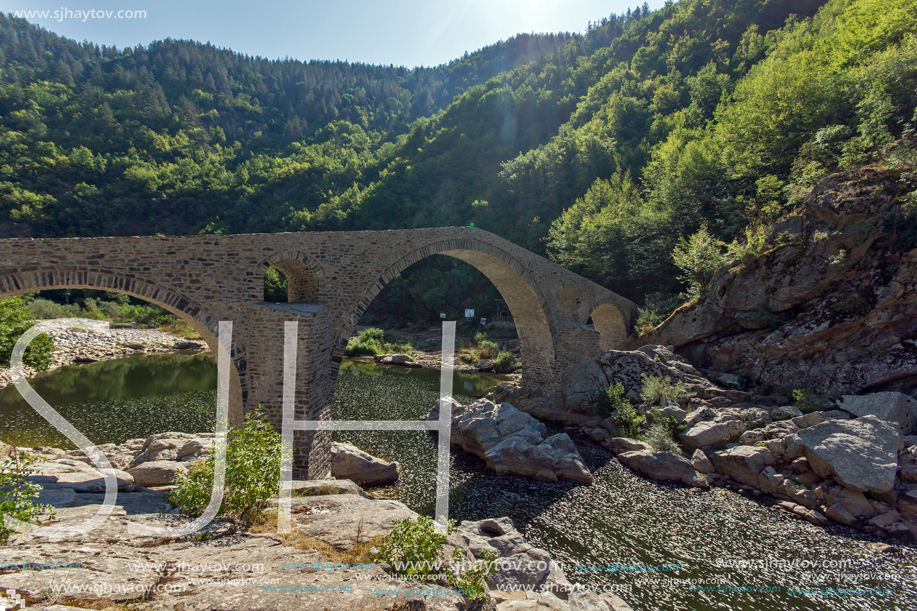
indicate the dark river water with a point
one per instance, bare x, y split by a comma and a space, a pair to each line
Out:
657, 546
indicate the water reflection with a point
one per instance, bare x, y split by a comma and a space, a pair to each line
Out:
111, 401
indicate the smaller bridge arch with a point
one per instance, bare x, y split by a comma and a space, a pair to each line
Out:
303, 275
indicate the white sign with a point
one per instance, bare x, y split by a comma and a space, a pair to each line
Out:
483, 321
469, 313
442, 314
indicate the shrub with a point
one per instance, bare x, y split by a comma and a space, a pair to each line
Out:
488, 349
611, 403
15, 319
415, 550
376, 341
505, 362
808, 401
253, 455
656, 388
17, 494
699, 258
661, 438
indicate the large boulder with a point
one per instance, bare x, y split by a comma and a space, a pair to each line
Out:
511, 441
743, 463
76, 475
861, 454
894, 407
704, 434
350, 462
581, 383
157, 472
661, 465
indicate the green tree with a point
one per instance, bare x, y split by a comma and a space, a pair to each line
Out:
15, 319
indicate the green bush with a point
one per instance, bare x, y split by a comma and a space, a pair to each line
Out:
808, 401
660, 436
488, 349
611, 403
656, 388
415, 550
505, 362
17, 494
253, 455
376, 341
699, 258
15, 319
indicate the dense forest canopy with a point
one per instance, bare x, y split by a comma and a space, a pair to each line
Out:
605, 151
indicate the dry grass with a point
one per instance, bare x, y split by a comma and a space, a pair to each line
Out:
180, 328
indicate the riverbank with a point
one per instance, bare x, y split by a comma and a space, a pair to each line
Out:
88, 346
327, 562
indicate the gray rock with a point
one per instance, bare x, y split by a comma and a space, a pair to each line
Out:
673, 411
743, 463
701, 462
321, 487
661, 465
581, 383
626, 444
785, 412
512, 441
861, 454
157, 472
76, 475
350, 462
893, 407
341, 519
705, 434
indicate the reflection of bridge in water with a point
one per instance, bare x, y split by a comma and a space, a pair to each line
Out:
332, 278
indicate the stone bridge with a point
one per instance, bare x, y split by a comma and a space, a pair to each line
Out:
332, 278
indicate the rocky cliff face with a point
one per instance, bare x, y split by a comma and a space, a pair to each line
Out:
831, 308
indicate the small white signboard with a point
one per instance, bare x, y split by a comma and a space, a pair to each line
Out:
442, 314
469, 313
483, 321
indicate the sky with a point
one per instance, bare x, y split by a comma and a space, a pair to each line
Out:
401, 32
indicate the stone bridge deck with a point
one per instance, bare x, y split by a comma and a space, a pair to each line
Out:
332, 278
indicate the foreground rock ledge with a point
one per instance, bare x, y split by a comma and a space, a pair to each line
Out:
224, 567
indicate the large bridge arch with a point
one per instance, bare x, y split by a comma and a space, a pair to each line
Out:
13, 284
515, 283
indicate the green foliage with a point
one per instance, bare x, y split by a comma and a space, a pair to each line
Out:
488, 349
377, 341
611, 403
17, 494
660, 436
253, 457
657, 308
505, 362
699, 258
657, 388
275, 286
473, 579
16, 319
809, 401
414, 548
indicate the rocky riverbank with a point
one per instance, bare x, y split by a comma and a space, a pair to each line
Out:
853, 463
228, 566
88, 346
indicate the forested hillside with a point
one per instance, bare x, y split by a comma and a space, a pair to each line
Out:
678, 130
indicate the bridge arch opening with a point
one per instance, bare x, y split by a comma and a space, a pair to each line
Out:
608, 322
198, 318
514, 285
291, 278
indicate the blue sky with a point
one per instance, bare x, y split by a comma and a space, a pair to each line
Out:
400, 32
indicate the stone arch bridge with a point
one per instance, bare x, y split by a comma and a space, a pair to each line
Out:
332, 277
